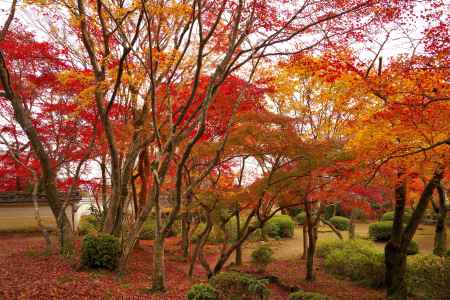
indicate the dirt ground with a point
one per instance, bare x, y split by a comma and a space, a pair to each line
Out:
287, 249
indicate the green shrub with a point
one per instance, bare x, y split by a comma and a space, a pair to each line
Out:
326, 246
389, 216
413, 248
149, 229
448, 252
300, 218
341, 223
89, 224
358, 262
428, 276
202, 292
300, 295
380, 231
100, 251
280, 226
261, 257
235, 285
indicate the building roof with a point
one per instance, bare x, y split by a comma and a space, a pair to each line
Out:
17, 197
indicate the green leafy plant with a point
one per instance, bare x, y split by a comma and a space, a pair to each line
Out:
341, 223
202, 291
238, 285
413, 248
389, 216
281, 226
380, 231
428, 276
300, 295
89, 224
261, 257
100, 251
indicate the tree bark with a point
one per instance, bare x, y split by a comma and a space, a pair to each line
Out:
440, 237
396, 248
158, 279
351, 230
305, 239
23, 117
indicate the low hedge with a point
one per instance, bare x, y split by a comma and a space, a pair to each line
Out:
100, 251
326, 246
357, 261
413, 248
341, 223
280, 226
202, 291
236, 285
428, 277
389, 216
380, 231
300, 295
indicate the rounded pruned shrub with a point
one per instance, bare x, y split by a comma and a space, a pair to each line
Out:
326, 246
300, 218
341, 223
262, 257
281, 226
413, 248
360, 263
448, 252
202, 291
428, 277
389, 216
89, 224
300, 295
236, 285
100, 251
380, 231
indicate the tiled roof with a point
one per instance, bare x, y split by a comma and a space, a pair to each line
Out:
25, 197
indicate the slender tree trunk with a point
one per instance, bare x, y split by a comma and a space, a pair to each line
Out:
312, 237
351, 230
395, 260
37, 216
440, 237
238, 236
305, 239
185, 239
158, 280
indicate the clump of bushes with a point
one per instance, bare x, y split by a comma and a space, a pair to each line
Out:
281, 226
413, 248
341, 223
357, 261
428, 276
261, 257
300, 295
389, 216
300, 218
100, 251
236, 285
381, 231
89, 224
202, 291
326, 246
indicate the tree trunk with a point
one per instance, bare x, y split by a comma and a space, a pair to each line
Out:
312, 237
440, 237
185, 239
351, 230
395, 261
238, 237
158, 280
396, 248
305, 240
22, 116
